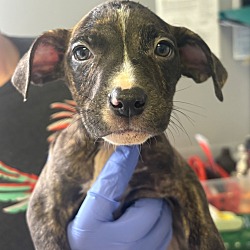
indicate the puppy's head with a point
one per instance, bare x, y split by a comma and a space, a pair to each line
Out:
121, 63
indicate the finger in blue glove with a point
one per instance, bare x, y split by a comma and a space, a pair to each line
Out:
145, 225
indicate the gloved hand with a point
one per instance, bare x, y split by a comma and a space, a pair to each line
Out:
146, 225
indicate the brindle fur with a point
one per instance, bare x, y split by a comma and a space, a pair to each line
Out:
114, 32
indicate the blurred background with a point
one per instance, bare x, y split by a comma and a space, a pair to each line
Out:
225, 125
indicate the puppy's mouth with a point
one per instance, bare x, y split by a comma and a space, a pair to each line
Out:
127, 137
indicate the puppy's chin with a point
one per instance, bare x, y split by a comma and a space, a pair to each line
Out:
127, 138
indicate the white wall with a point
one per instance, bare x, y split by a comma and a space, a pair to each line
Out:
31, 17
224, 123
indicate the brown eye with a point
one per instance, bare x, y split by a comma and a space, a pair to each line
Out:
81, 53
163, 49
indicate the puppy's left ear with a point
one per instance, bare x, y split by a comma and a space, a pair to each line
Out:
43, 62
197, 61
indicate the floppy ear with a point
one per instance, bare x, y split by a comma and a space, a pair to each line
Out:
43, 62
197, 61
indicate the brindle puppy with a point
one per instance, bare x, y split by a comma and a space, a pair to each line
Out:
121, 63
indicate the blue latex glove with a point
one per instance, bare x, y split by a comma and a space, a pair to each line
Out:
146, 225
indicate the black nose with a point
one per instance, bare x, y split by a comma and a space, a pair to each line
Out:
127, 102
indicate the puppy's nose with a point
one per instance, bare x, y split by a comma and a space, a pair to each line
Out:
127, 102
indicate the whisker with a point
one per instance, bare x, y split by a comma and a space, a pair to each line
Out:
139, 151
188, 87
181, 127
106, 145
148, 143
170, 131
177, 119
185, 115
174, 127
99, 140
188, 110
189, 103
155, 139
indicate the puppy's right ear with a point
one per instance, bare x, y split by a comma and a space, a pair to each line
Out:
43, 62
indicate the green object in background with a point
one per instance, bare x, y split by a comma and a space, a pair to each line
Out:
234, 228
238, 239
15, 186
237, 16
18, 207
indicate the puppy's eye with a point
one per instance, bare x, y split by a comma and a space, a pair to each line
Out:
163, 49
81, 53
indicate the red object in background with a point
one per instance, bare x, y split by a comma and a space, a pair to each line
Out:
228, 198
227, 195
201, 168
198, 166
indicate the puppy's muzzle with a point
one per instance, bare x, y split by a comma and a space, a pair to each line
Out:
127, 102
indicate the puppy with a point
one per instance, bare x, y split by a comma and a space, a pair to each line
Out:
121, 63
